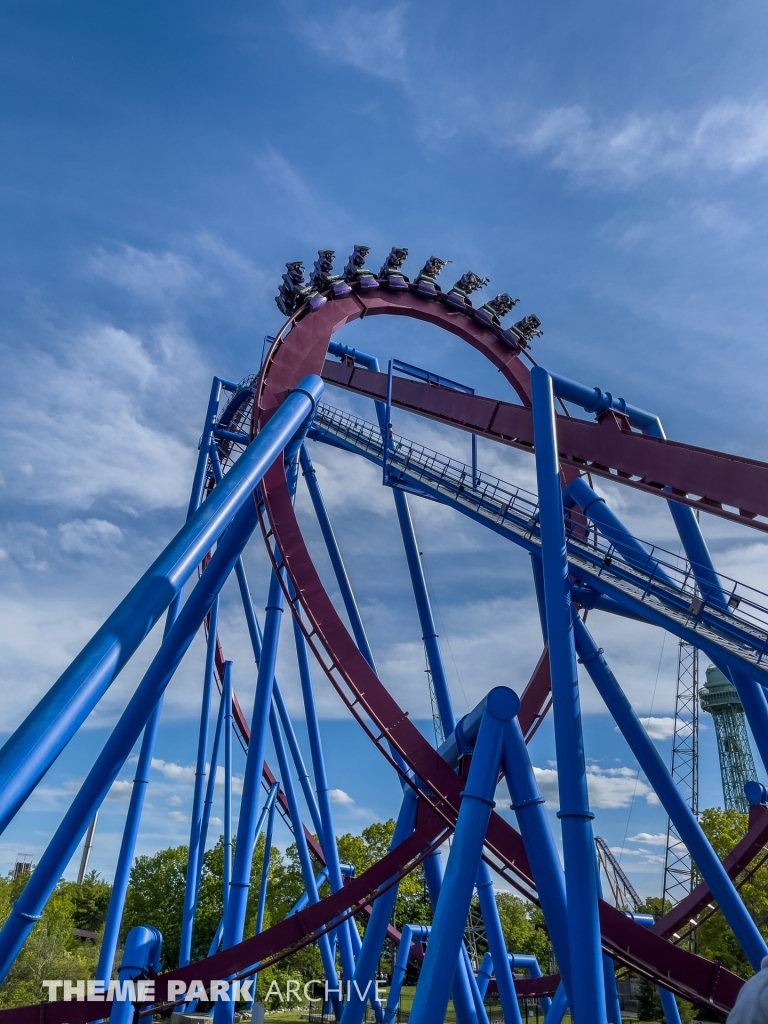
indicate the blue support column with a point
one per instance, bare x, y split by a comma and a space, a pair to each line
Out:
477, 999
559, 1005
270, 807
308, 875
587, 1004
326, 831
190, 892
409, 934
28, 908
345, 587
376, 929
428, 631
127, 848
461, 993
689, 830
434, 988
227, 697
209, 791
234, 918
539, 842
752, 696
38, 741
140, 956
497, 946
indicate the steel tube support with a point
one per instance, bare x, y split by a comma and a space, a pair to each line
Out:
38, 741
326, 831
408, 934
477, 999
539, 842
376, 929
190, 891
426, 619
434, 988
332, 545
270, 806
28, 908
209, 791
688, 828
753, 697
587, 983
228, 726
127, 848
497, 946
140, 957
234, 917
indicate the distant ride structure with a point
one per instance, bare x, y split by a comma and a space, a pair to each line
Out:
254, 452
720, 698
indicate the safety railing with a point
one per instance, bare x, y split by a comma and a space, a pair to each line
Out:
666, 579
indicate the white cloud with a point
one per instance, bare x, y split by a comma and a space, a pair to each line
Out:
215, 821
178, 816
729, 136
650, 839
369, 40
659, 728
608, 787
149, 275
171, 770
120, 789
175, 800
338, 796
89, 536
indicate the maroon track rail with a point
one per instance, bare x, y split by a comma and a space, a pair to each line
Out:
608, 448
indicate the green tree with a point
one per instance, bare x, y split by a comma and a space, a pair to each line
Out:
52, 951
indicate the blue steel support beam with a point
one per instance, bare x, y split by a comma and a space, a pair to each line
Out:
597, 401
305, 861
141, 956
477, 999
209, 791
234, 917
689, 830
753, 698
461, 992
559, 1005
28, 908
127, 848
517, 961
578, 843
595, 508
497, 945
434, 987
426, 619
409, 934
539, 843
228, 726
376, 929
270, 806
326, 830
38, 741
190, 891
332, 545
254, 631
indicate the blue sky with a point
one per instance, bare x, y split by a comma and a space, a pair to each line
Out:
606, 163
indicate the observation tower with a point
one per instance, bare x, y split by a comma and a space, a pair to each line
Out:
720, 698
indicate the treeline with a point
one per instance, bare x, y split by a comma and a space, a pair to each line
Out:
156, 896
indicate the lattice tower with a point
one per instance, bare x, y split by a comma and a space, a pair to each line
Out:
679, 869
737, 766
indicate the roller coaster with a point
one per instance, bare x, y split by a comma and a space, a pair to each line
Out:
254, 447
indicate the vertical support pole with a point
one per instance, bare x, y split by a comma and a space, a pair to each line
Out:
474, 460
533, 823
305, 861
326, 832
140, 956
127, 848
433, 990
426, 619
227, 697
497, 946
190, 892
209, 791
461, 993
270, 806
234, 916
673, 802
376, 929
388, 425
581, 885
477, 999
